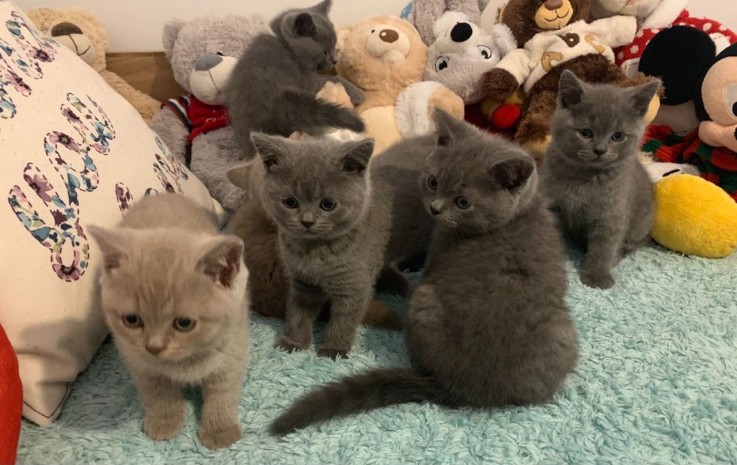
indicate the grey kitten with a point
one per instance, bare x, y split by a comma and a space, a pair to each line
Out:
173, 295
488, 325
274, 84
593, 176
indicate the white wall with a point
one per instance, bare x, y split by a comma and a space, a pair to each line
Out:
136, 25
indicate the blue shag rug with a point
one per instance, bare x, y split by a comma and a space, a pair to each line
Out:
656, 383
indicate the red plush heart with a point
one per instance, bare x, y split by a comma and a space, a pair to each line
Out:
11, 400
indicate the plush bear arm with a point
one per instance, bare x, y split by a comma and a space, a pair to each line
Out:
616, 31
499, 84
172, 131
353, 92
146, 105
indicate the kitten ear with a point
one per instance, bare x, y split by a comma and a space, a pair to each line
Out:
322, 8
449, 128
570, 89
240, 174
221, 258
304, 25
112, 246
272, 149
642, 96
355, 157
512, 173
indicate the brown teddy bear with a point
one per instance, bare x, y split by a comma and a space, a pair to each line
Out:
556, 37
83, 34
384, 56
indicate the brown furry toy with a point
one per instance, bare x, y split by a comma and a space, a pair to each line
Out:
83, 34
556, 36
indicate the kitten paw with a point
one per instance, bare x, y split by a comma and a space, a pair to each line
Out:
597, 280
162, 428
220, 438
288, 345
332, 353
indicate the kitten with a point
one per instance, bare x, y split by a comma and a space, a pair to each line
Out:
488, 325
593, 176
274, 85
268, 284
173, 296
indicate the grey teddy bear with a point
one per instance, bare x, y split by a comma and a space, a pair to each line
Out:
196, 128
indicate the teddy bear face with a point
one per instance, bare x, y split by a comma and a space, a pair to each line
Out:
203, 52
381, 53
463, 52
526, 18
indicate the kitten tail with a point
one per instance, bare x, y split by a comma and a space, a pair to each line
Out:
308, 114
360, 393
379, 315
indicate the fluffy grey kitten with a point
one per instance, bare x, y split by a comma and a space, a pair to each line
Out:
332, 236
173, 295
593, 176
488, 325
273, 86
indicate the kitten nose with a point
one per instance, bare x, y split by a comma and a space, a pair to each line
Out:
553, 4
599, 152
154, 349
435, 207
433, 210
307, 223
388, 35
461, 32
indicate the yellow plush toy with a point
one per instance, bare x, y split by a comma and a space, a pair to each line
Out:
83, 34
695, 217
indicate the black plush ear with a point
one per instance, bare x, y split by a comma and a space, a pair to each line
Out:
679, 56
271, 149
570, 89
355, 157
304, 26
221, 259
512, 173
112, 245
323, 7
642, 96
449, 128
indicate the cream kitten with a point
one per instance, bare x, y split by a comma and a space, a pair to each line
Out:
173, 294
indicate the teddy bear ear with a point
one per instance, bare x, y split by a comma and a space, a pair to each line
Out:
504, 38
171, 32
343, 34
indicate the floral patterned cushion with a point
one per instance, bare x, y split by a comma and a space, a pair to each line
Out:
72, 153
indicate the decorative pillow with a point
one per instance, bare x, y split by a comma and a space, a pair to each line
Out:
74, 153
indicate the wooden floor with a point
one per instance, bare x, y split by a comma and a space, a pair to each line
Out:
148, 72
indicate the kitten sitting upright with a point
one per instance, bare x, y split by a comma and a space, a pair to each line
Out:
593, 176
274, 85
173, 295
488, 325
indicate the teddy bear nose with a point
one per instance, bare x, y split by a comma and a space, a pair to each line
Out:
461, 32
207, 61
65, 29
389, 35
553, 4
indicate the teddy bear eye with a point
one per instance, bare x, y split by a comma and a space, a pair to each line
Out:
220, 54
441, 63
485, 52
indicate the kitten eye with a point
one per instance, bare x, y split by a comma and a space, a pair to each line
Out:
132, 321
184, 325
462, 202
290, 202
618, 136
485, 52
432, 183
586, 133
327, 205
441, 63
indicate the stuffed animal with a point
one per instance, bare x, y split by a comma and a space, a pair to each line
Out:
423, 14
460, 56
556, 37
384, 56
196, 127
83, 34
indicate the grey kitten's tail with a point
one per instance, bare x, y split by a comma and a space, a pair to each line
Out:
354, 394
305, 113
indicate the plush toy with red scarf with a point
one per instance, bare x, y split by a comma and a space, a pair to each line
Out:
196, 127
11, 400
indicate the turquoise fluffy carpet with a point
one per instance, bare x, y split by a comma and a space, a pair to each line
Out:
656, 383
